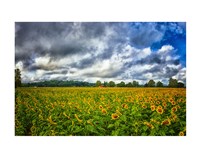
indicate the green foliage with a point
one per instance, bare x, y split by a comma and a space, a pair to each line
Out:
111, 84
173, 83
98, 83
129, 84
17, 78
135, 84
180, 85
159, 84
121, 84
100, 111
151, 83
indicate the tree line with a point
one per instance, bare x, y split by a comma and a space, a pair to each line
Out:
151, 83
71, 83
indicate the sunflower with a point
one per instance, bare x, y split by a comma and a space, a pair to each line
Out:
164, 104
115, 116
149, 125
100, 107
103, 111
173, 103
159, 110
153, 107
144, 106
174, 109
174, 117
125, 106
157, 102
166, 122
181, 133
170, 100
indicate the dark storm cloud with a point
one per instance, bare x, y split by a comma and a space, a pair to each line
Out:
145, 34
94, 29
110, 73
55, 39
84, 63
94, 50
151, 60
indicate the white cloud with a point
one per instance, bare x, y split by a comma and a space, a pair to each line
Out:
19, 65
165, 49
91, 51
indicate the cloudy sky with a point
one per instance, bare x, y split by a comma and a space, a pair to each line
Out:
101, 51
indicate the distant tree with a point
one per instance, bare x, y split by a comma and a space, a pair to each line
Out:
173, 83
121, 84
17, 78
98, 83
146, 85
105, 84
129, 84
135, 84
151, 83
181, 85
159, 84
111, 84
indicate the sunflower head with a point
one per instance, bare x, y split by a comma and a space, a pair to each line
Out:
174, 116
149, 125
164, 104
125, 106
153, 107
104, 111
144, 106
100, 107
157, 102
115, 116
174, 109
181, 133
159, 110
166, 122
173, 103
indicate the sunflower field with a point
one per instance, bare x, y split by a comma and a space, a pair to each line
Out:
90, 111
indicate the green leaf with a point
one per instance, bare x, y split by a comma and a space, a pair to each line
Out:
110, 126
144, 134
144, 128
77, 129
115, 132
123, 117
117, 124
90, 128
172, 131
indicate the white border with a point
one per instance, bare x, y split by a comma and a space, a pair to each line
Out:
92, 10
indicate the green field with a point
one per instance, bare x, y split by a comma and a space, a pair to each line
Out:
100, 111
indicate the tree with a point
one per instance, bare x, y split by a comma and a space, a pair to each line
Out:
129, 84
121, 84
159, 84
135, 84
105, 84
151, 83
17, 78
111, 84
173, 83
146, 85
98, 83
180, 85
